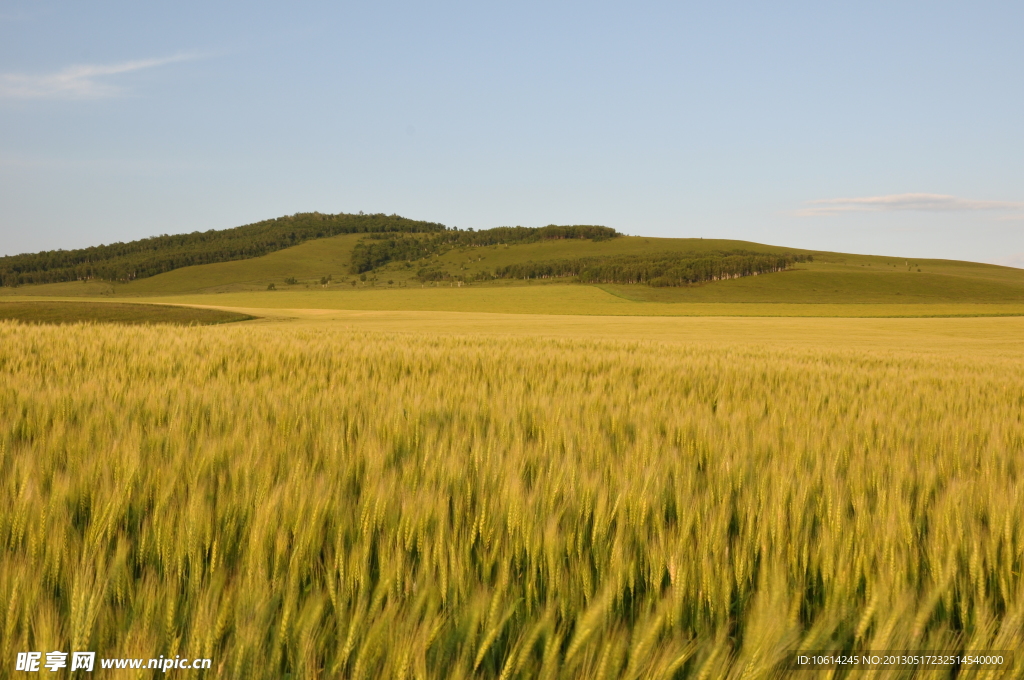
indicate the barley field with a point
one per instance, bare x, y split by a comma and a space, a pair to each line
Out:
320, 501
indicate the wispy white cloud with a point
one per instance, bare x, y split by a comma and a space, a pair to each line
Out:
903, 202
81, 81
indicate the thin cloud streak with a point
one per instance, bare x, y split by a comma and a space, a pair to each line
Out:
903, 202
80, 81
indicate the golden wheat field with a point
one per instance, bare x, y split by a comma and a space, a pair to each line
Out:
321, 501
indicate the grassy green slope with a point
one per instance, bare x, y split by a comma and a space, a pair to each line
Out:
934, 281
307, 262
472, 260
147, 257
832, 278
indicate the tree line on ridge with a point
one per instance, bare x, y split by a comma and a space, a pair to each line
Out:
158, 254
656, 269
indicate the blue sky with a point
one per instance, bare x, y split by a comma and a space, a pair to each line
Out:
890, 128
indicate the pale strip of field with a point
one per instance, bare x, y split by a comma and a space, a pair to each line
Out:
955, 336
567, 299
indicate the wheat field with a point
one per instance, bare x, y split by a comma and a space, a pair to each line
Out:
318, 501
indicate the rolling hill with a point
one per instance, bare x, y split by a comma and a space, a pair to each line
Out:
147, 257
470, 259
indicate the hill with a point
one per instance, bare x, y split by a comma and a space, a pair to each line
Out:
384, 239
159, 254
356, 263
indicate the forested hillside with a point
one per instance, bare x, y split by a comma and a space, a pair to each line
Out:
379, 249
656, 268
660, 269
663, 269
151, 256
